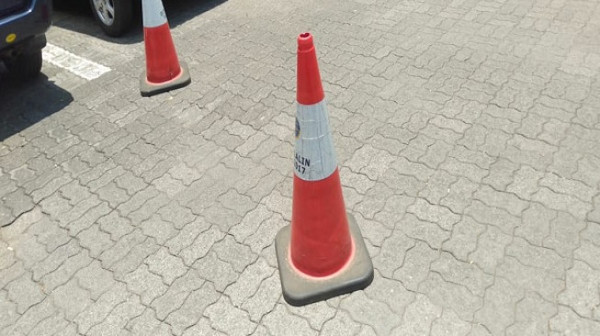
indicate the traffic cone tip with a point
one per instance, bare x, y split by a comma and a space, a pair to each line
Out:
309, 89
305, 42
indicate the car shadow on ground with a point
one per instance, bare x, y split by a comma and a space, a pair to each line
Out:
76, 15
23, 104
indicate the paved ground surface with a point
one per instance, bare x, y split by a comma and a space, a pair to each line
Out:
468, 137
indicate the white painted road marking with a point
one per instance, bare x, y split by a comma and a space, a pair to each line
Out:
80, 66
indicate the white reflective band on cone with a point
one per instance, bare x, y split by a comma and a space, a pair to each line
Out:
314, 159
153, 13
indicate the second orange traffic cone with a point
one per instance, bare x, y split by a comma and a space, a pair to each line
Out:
323, 253
164, 71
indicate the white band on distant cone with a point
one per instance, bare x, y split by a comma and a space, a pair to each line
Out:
314, 159
153, 13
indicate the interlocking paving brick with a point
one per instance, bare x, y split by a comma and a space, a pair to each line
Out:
145, 284
416, 265
94, 240
220, 273
8, 315
168, 185
264, 299
373, 201
491, 246
137, 201
390, 292
168, 266
65, 271
464, 169
568, 322
587, 171
459, 272
491, 215
538, 257
130, 183
55, 259
437, 187
176, 214
535, 223
53, 325
202, 328
95, 279
530, 278
564, 234
448, 294
201, 245
594, 215
18, 202
233, 201
115, 225
25, 293
147, 324
88, 219
238, 255
13, 271
280, 322
502, 200
159, 229
71, 299
173, 298
248, 282
459, 195
588, 252
569, 187
112, 194
393, 253
433, 213
32, 317
372, 231
498, 310
121, 248
449, 324
78, 210
192, 308
221, 217
432, 233
532, 315
134, 258
22, 174
264, 235
581, 292
341, 324
148, 209
228, 319
117, 319
418, 318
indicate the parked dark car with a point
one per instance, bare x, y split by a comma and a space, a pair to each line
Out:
23, 24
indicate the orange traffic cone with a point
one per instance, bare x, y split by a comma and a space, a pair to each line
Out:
323, 254
164, 72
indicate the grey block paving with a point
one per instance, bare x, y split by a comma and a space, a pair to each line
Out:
467, 135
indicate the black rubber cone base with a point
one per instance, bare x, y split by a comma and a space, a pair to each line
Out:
299, 290
149, 89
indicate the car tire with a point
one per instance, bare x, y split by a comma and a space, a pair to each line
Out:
116, 22
25, 66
